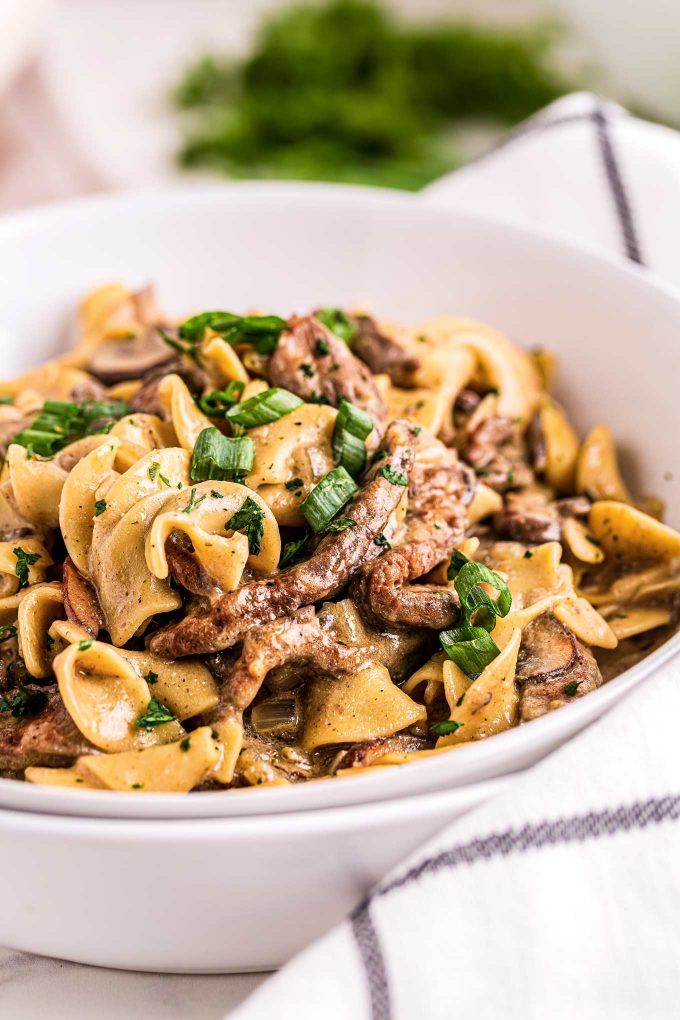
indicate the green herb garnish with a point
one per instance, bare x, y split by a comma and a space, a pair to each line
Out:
151, 677
471, 646
219, 457
215, 403
156, 714
294, 483
338, 323
84, 645
393, 476
7, 631
24, 562
571, 688
250, 520
382, 541
294, 551
185, 744
193, 502
25, 702
99, 507
62, 422
340, 524
350, 431
447, 726
328, 497
261, 332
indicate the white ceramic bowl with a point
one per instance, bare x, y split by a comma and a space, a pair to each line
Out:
287, 247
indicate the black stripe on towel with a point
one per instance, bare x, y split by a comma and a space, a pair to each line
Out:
367, 941
578, 828
613, 173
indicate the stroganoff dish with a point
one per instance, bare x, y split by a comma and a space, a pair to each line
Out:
247, 550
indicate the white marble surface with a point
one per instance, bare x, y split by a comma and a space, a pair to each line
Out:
33, 988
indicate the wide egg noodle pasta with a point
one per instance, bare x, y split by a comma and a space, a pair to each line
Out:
139, 434
9, 561
41, 605
130, 595
187, 418
222, 554
105, 696
78, 498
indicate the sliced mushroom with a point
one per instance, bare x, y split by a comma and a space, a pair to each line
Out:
80, 599
117, 360
553, 668
367, 752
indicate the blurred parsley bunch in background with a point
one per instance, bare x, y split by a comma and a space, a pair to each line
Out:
342, 91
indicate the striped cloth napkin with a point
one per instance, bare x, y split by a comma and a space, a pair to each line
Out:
559, 898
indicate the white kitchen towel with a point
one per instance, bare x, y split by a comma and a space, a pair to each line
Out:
559, 898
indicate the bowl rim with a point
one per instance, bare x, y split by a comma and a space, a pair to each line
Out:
250, 803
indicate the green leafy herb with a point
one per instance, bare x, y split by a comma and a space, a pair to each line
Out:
84, 645
294, 483
24, 561
328, 497
393, 476
571, 688
220, 457
527, 555
151, 677
447, 726
156, 714
338, 323
215, 403
62, 422
6, 399
7, 631
185, 744
137, 786
321, 348
592, 540
307, 370
193, 502
416, 430
382, 541
154, 468
26, 702
340, 524
215, 494
294, 551
350, 431
99, 507
263, 408
250, 520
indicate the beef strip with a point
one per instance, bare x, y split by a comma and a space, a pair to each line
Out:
531, 528
146, 399
435, 524
323, 575
298, 364
495, 449
382, 354
80, 599
553, 668
48, 738
297, 640
367, 752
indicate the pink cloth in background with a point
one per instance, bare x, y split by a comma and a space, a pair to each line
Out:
39, 160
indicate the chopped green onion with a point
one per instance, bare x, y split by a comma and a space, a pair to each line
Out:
6, 400
7, 631
480, 607
62, 422
327, 498
338, 323
471, 648
84, 645
352, 427
250, 520
156, 714
262, 332
263, 408
215, 403
220, 457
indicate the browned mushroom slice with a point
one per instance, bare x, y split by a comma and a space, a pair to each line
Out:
147, 401
382, 354
47, 737
529, 527
368, 751
117, 360
553, 668
80, 599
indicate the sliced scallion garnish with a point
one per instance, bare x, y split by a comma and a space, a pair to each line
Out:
219, 457
352, 428
263, 408
338, 322
471, 648
262, 332
327, 498
215, 403
61, 422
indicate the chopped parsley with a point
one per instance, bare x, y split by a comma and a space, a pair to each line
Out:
341, 524
193, 502
382, 541
137, 786
151, 677
294, 483
25, 702
528, 554
393, 476
7, 631
571, 688
322, 348
156, 714
416, 430
185, 744
24, 562
307, 370
294, 551
84, 645
338, 323
99, 507
250, 520
447, 726
215, 494
154, 468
